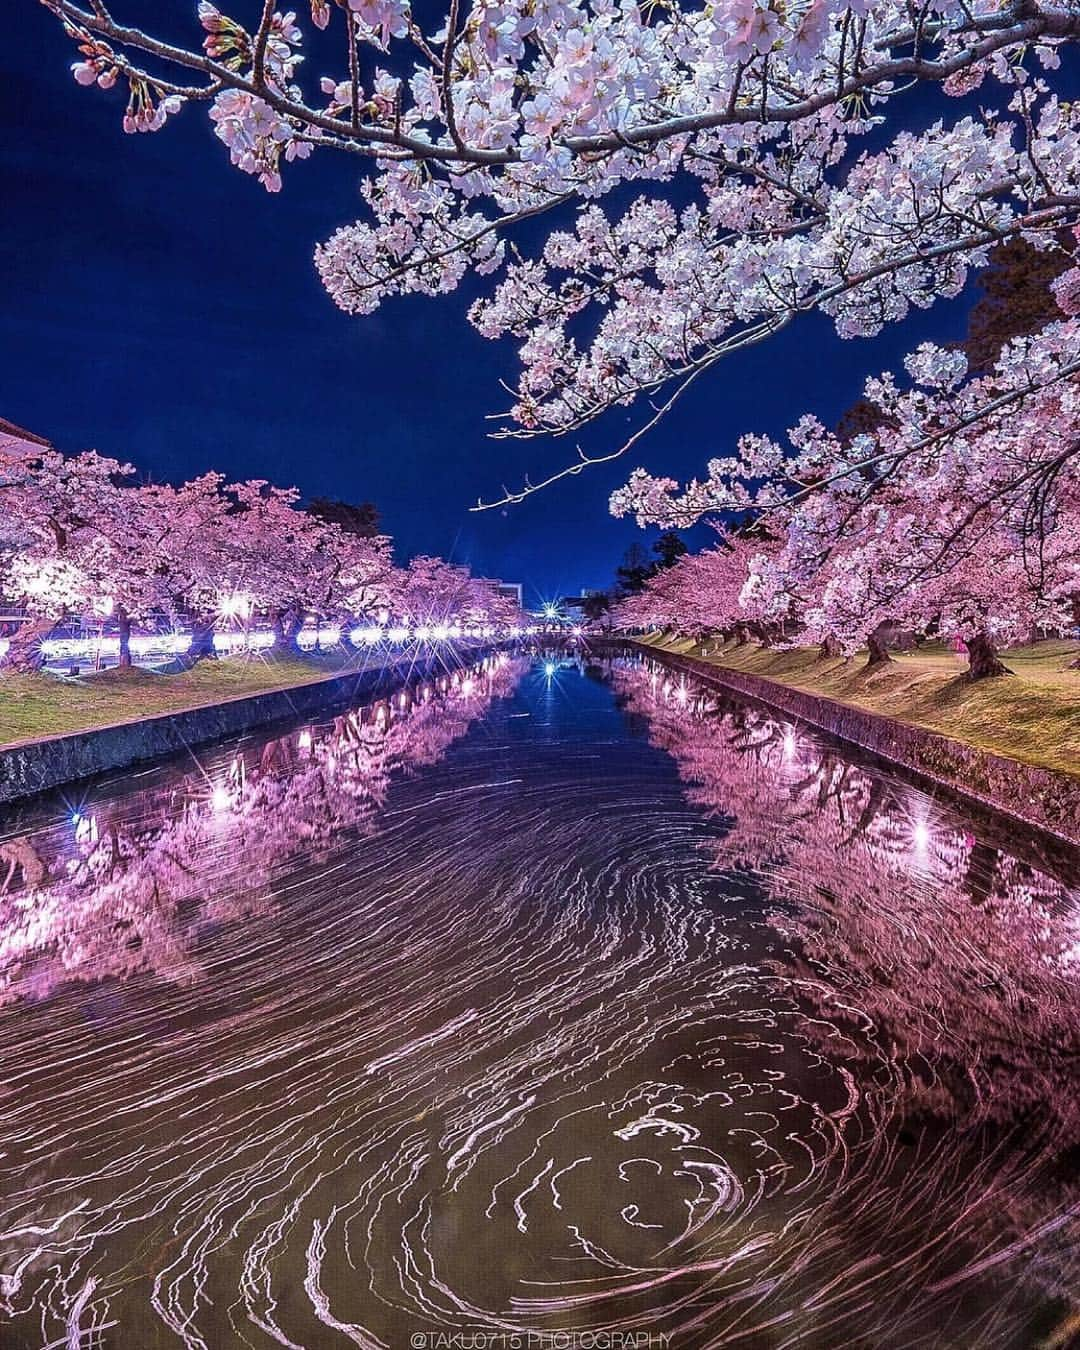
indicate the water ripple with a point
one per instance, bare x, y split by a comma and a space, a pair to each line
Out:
502, 1006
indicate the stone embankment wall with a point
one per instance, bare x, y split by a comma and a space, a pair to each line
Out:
1039, 797
35, 766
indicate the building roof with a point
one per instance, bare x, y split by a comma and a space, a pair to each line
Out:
21, 434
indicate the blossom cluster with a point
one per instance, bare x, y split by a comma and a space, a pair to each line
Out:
79, 536
958, 513
740, 123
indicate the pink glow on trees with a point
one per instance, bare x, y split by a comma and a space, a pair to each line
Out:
432, 592
724, 587
758, 111
55, 544
961, 511
293, 564
80, 537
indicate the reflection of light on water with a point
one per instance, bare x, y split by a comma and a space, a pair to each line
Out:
86, 828
699, 1114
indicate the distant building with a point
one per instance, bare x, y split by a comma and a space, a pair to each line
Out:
573, 606
511, 590
11, 436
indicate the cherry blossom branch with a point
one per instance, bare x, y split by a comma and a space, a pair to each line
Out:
1045, 24
588, 461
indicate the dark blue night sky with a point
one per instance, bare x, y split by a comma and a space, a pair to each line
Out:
159, 306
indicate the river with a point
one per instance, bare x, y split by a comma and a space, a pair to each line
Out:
546, 997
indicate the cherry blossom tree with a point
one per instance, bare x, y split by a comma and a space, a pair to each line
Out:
53, 550
435, 592
960, 511
719, 589
770, 147
79, 537
290, 563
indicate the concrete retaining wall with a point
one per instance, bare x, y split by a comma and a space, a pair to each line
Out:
1039, 797
35, 766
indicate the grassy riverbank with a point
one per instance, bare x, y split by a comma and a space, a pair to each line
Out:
1032, 716
35, 706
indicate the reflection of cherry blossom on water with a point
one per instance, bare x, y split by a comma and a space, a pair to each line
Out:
637, 1014
122, 887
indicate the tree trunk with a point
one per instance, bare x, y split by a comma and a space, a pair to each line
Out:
123, 627
24, 645
983, 661
742, 634
287, 624
830, 646
202, 641
879, 653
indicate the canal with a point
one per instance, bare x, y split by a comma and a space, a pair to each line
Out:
545, 996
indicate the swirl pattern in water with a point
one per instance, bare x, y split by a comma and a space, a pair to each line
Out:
536, 999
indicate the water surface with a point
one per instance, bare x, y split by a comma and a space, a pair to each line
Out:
540, 997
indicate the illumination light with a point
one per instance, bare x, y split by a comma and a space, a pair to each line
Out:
220, 799
252, 642
237, 605
328, 637
549, 668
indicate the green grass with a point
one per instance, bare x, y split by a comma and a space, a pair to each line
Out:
35, 706
1033, 715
